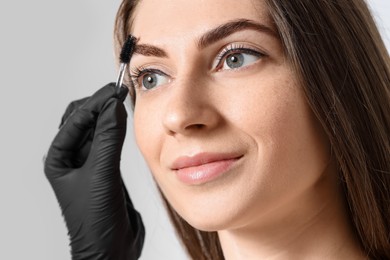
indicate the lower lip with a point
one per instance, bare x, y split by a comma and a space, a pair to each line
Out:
205, 172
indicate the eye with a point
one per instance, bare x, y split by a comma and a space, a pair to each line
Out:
149, 78
236, 58
152, 80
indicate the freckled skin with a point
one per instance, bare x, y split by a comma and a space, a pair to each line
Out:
259, 111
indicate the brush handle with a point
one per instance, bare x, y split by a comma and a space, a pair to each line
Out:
121, 75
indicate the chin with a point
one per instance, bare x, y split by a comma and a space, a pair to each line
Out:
206, 224
211, 207
207, 219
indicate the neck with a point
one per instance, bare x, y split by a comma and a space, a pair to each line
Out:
315, 225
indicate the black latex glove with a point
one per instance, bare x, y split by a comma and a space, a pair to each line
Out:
82, 166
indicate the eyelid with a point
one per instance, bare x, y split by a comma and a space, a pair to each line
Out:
136, 73
139, 71
235, 48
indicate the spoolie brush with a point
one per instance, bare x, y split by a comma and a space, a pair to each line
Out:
125, 56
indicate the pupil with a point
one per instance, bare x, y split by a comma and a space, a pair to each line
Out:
235, 60
149, 81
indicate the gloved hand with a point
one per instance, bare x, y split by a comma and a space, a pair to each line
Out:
82, 166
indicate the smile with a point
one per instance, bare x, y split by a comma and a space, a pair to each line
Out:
204, 167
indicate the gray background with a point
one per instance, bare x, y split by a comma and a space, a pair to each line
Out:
52, 52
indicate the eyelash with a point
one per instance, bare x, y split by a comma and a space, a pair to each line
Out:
231, 49
137, 72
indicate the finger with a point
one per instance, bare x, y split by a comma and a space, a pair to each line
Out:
98, 100
71, 108
109, 137
66, 144
64, 149
85, 143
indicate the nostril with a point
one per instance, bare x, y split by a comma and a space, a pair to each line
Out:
187, 115
196, 126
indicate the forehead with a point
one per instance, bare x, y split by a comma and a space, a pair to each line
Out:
180, 19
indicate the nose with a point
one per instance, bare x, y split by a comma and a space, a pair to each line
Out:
190, 108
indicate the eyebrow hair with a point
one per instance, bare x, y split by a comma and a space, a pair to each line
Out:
231, 27
210, 37
149, 50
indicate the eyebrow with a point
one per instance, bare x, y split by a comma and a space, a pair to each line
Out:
149, 50
229, 28
211, 36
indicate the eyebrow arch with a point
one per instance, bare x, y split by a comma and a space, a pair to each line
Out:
149, 50
210, 37
231, 27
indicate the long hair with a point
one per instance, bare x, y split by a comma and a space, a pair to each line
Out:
343, 66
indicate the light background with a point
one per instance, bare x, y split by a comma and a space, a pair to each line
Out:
52, 52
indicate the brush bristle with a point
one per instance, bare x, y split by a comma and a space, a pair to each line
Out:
127, 49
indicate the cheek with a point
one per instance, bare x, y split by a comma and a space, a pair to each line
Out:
269, 110
297, 148
290, 146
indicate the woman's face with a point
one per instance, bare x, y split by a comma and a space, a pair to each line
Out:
220, 118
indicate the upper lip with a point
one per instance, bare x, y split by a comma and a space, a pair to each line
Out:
200, 159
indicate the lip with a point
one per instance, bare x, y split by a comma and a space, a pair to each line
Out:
203, 167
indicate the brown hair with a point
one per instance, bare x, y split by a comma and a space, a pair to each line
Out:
344, 68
